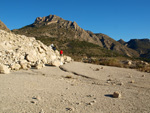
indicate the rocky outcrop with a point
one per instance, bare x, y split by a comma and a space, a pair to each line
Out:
47, 20
3, 26
21, 52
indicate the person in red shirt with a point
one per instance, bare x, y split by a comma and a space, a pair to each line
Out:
61, 52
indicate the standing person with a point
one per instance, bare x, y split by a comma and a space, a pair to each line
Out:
53, 47
61, 52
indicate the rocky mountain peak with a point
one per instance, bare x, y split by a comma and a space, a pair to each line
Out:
53, 19
50, 18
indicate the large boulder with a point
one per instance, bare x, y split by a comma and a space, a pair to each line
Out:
67, 59
56, 63
15, 66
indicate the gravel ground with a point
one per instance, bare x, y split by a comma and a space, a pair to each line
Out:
75, 88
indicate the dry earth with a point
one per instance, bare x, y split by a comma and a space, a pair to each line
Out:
75, 88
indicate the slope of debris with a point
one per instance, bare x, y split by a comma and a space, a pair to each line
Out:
21, 52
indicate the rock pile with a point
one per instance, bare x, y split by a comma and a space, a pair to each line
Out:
21, 52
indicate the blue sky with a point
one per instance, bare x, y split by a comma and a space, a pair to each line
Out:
119, 19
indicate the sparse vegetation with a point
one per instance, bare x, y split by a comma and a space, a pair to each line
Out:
145, 69
122, 62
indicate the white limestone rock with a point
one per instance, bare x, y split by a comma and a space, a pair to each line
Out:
56, 63
15, 67
4, 69
67, 59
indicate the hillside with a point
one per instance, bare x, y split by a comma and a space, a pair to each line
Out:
67, 35
142, 46
3, 26
111, 44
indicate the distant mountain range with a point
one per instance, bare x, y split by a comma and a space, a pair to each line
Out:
142, 46
75, 41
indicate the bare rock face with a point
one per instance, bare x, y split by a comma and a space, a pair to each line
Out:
49, 18
21, 52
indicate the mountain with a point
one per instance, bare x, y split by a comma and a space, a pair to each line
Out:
3, 26
121, 41
55, 27
111, 44
142, 46
67, 35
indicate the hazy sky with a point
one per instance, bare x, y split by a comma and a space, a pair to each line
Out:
126, 19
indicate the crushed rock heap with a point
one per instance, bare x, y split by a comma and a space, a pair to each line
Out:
21, 52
